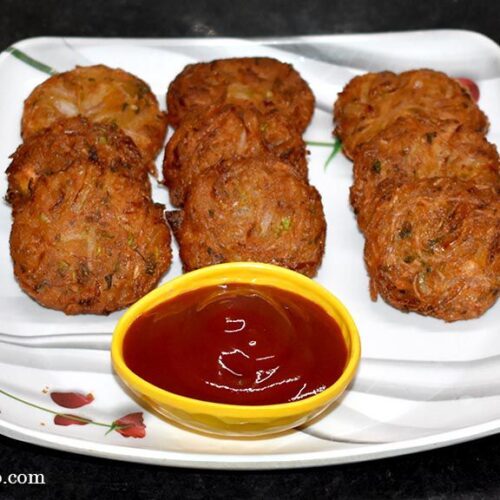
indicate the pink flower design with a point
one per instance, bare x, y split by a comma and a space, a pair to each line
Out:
67, 419
470, 86
131, 425
71, 399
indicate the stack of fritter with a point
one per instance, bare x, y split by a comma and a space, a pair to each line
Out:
86, 235
236, 165
425, 192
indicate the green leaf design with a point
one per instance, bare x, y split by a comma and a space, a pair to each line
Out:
112, 427
25, 58
336, 147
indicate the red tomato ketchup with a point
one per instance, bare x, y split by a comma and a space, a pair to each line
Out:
237, 344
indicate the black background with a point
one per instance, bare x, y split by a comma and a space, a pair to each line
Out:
468, 470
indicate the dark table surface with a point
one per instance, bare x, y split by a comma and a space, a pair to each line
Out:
469, 470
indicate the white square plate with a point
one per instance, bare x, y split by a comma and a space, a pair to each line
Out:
422, 383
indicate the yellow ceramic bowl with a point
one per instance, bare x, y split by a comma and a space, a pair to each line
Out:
228, 419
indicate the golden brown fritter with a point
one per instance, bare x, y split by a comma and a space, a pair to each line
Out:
68, 142
254, 209
413, 148
433, 247
101, 94
89, 240
224, 133
371, 102
266, 83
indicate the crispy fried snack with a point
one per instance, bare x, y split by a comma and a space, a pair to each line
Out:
433, 247
254, 209
101, 94
413, 148
89, 240
224, 133
371, 102
266, 83
68, 142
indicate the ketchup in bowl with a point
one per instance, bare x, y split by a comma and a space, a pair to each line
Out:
238, 344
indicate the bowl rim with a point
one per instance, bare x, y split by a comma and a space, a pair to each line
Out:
161, 396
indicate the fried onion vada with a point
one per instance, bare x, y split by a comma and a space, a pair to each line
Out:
266, 83
88, 240
224, 133
413, 148
101, 94
433, 247
371, 102
255, 209
70, 141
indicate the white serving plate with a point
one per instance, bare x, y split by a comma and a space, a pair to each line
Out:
422, 383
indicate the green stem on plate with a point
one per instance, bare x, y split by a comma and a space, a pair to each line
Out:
320, 143
336, 147
22, 56
73, 417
